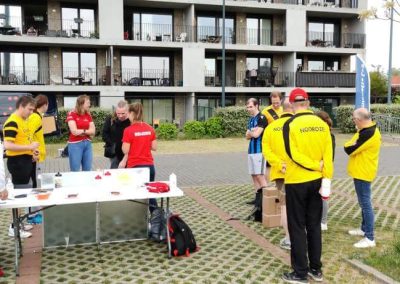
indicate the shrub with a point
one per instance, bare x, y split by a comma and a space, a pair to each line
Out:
194, 129
213, 126
233, 120
167, 131
344, 114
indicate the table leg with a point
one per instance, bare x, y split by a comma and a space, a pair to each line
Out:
168, 236
97, 223
17, 239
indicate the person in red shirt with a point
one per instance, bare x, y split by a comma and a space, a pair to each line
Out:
82, 129
138, 141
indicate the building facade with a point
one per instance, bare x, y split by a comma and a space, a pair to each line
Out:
167, 53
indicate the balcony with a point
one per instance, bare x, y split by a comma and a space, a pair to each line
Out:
313, 3
243, 79
350, 40
209, 34
347, 40
151, 77
325, 79
18, 75
39, 26
261, 37
159, 32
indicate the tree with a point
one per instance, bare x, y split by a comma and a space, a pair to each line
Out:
384, 12
378, 85
396, 71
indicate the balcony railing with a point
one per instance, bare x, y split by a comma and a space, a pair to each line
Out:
350, 40
320, 39
18, 75
261, 36
325, 79
243, 79
151, 77
158, 32
317, 3
14, 25
209, 34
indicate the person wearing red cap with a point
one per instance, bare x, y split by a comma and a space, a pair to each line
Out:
309, 169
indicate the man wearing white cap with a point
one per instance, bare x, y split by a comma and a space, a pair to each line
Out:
309, 169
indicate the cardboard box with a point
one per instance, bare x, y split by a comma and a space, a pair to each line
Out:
271, 221
271, 205
49, 124
270, 191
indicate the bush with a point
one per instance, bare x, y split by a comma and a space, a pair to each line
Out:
167, 131
233, 120
194, 129
213, 127
344, 114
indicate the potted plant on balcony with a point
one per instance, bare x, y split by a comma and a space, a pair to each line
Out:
94, 35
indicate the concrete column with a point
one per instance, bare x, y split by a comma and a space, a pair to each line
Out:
178, 23
240, 67
190, 102
189, 20
296, 36
278, 29
117, 66
111, 19
101, 64
345, 63
177, 69
193, 66
55, 65
110, 97
180, 109
54, 15
241, 28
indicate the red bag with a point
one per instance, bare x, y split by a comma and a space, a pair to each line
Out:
157, 187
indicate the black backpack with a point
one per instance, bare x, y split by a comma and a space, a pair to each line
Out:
181, 237
256, 212
158, 228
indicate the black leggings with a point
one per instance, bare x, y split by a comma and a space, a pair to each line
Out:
20, 168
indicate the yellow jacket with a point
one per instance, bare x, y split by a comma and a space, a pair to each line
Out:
307, 142
36, 128
16, 130
273, 146
267, 113
363, 149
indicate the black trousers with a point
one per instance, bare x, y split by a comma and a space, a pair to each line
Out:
33, 175
304, 210
20, 168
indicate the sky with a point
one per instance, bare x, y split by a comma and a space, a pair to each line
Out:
378, 40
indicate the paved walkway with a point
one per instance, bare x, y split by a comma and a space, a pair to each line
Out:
226, 168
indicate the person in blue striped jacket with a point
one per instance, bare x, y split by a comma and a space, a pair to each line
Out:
255, 129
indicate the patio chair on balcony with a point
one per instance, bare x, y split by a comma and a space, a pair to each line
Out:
165, 82
135, 81
181, 37
13, 79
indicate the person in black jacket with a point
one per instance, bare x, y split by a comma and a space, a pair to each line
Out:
113, 131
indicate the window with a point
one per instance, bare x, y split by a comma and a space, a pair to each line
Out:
258, 31
156, 110
146, 70
152, 27
78, 21
209, 29
11, 16
80, 65
205, 106
19, 67
323, 33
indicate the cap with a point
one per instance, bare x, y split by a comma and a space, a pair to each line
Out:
298, 95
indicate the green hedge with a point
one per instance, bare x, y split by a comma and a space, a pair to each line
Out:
344, 114
213, 127
167, 131
194, 129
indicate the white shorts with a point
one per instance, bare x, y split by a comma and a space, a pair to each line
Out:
256, 164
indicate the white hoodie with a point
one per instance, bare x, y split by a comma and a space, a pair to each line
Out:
2, 172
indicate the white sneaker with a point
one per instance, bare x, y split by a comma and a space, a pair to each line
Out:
324, 227
22, 234
365, 243
26, 227
356, 232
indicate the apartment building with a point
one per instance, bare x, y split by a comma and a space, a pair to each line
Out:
167, 53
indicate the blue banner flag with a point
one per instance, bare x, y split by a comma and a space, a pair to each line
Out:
362, 84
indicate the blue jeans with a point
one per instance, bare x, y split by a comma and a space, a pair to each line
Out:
363, 190
80, 153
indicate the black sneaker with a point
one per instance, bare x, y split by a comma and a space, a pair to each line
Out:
252, 202
292, 277
316, 275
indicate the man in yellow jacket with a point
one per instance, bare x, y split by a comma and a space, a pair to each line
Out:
309, 169
274, 148
363, 150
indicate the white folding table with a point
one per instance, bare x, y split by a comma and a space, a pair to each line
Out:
107, 190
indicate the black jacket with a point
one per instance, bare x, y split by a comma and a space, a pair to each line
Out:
113, 132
